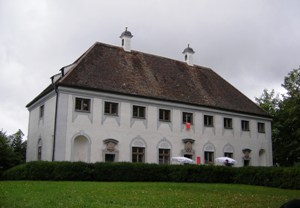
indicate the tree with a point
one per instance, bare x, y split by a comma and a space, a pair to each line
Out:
19, 146
7, 155
12, 150
286, 119
289, 118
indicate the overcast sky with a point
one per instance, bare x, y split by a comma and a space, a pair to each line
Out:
252, 44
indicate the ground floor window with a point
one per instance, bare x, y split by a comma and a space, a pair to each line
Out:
39, 153
246, 163
228, 154
109, 157
164, 156
190, 156
39, 150
138, 154
208, 157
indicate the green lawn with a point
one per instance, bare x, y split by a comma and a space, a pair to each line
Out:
134, 194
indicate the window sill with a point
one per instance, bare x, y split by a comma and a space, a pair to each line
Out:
165, 121
139, 118
82, 111
114, 115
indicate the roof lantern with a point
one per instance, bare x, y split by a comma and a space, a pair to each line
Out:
126, 40
188, 55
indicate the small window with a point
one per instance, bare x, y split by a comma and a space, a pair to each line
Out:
164, 156
187, 118
245, 125
228, 123
82, 104
261, 127
208, 157
111, 108
138, 154
164, 115
138, 111
42, 109
109, 157
208, 120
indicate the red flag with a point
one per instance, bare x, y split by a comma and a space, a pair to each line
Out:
187, 125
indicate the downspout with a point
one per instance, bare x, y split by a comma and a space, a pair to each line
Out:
55, 121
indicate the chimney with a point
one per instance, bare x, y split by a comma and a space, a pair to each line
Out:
188, 55
126, 40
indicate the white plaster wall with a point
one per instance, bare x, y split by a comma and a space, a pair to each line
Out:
41, 128
97, 127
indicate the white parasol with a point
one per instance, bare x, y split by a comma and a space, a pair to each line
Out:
225, 161
182, 160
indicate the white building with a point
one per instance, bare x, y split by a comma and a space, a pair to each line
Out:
115, 104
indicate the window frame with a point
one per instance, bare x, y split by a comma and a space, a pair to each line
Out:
209, 157
164, 156
136, 154
82, 103
113, 108
208, 121
163, 112
228, 123
184, 118
261, 128
245, 125
140, 110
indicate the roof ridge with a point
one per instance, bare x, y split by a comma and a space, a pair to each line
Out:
154, 55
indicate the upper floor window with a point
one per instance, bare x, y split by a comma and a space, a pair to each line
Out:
138, 112
187, 117
111, 108
42, 109
208, 120
261, 127
228, 123
82, 104
164, 115
245, 125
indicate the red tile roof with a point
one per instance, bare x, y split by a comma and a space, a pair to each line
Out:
109, 68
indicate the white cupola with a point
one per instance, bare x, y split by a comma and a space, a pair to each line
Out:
126, 40
188, 55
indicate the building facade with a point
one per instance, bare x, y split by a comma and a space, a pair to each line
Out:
115, 104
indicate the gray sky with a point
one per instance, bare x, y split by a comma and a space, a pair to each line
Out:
252, 44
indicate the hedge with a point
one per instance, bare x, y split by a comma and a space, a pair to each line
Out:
280, 177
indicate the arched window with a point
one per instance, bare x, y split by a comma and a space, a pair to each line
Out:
138, 150
164, 152
228, 151
209, 153
39, 149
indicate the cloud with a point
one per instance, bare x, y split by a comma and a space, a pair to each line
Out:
252, 44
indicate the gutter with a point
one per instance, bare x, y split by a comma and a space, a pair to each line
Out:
55, 122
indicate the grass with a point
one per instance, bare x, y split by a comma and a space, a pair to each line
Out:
138, 194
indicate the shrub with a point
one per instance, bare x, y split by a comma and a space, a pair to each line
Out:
124, 171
